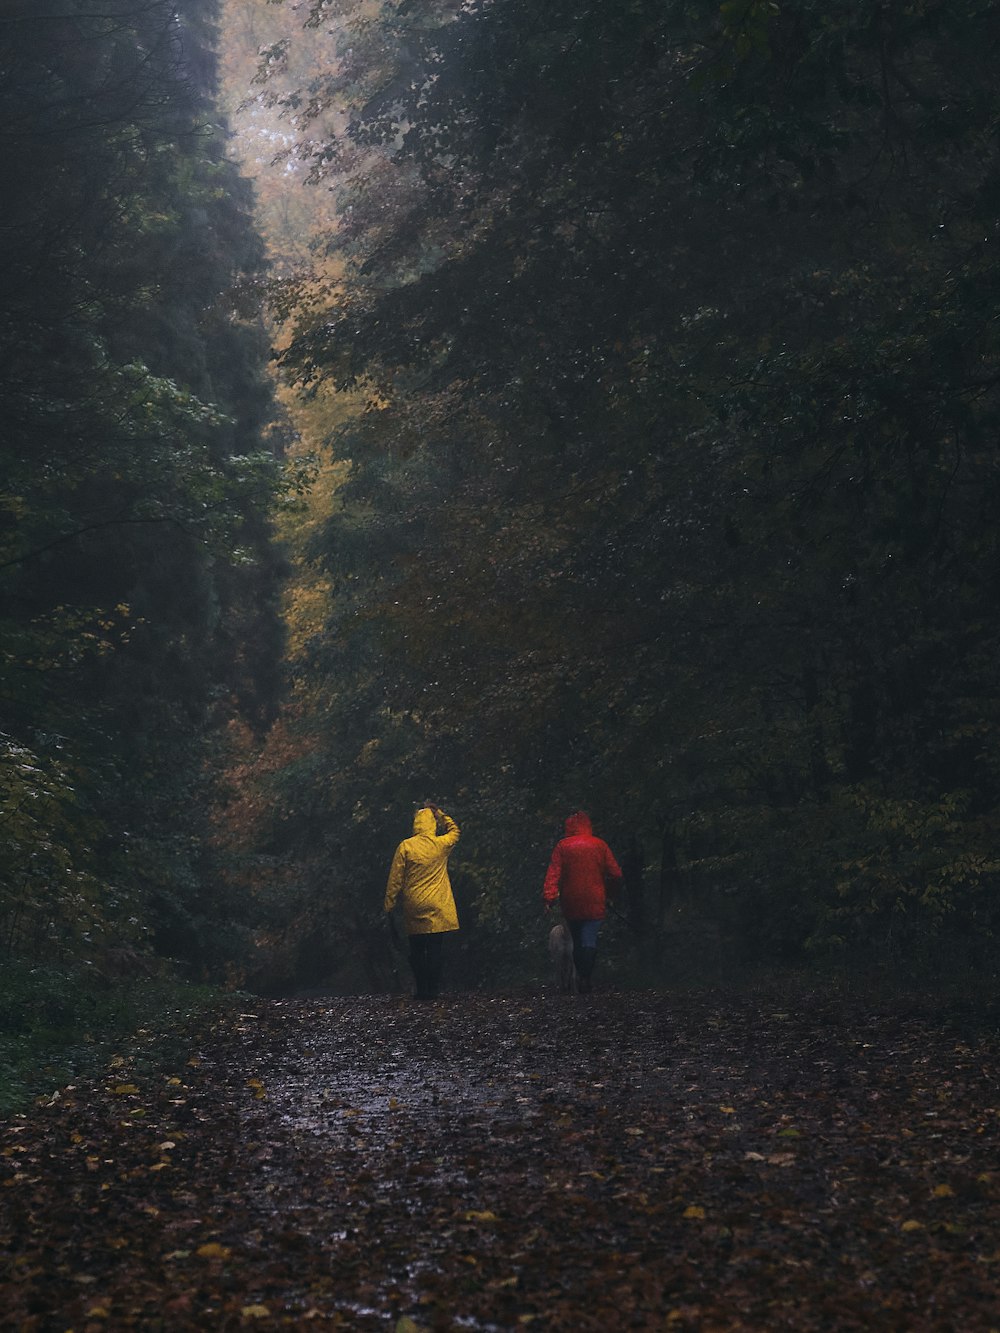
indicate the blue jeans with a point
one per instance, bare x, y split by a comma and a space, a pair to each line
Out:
585, 933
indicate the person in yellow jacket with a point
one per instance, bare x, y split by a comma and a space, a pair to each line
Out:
419, 874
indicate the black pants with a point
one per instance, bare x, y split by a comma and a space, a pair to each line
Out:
426, 960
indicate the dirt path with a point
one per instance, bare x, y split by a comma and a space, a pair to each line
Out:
622, 1162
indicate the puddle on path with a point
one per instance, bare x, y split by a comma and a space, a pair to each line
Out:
385, 1127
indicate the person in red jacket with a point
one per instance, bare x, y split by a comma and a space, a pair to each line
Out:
581, 874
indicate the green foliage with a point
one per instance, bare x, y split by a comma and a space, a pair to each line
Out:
676, 329
51, 903
61, 1023
140, 466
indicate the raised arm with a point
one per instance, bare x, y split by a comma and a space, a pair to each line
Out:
451, 833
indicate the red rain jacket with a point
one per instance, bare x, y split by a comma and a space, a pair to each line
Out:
582, 871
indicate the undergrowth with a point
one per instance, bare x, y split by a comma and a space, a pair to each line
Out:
58, 1024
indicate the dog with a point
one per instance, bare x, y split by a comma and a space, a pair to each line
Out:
561, 953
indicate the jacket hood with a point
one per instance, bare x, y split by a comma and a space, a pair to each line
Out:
424, 822
577, 824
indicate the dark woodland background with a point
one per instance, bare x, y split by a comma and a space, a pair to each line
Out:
585, 406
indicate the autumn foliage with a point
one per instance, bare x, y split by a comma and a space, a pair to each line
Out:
655, 345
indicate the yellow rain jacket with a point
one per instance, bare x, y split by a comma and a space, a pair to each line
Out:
420, 872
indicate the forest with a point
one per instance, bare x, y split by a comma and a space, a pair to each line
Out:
461, 415
528, 408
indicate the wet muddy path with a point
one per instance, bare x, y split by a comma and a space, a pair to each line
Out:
625, 1161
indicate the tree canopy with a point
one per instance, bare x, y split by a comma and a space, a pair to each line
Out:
139, 472
672, 329
643, 361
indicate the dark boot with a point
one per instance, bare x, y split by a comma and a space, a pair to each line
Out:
585, 960
435, 961
433, 978
419, 963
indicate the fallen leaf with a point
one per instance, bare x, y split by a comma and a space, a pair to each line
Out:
213, 1250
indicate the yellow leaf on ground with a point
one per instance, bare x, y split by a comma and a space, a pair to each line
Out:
213, 1250
480, 1215
694, 1210
943, 1192
728, 1110
120, 1089
255, 1312
913, 1225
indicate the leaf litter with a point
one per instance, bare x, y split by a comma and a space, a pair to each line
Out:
626, 1161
